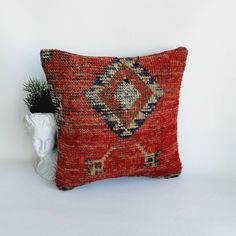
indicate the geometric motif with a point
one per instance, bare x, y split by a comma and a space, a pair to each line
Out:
96, 167
46, 55
124, 95
151, 159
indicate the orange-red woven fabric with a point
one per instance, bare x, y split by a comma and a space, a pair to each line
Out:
116, 116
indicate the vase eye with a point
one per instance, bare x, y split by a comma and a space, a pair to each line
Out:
49, 141
36, 142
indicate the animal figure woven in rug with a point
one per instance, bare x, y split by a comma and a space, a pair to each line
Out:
116, 116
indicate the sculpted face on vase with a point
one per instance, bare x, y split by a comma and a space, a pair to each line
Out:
43, 130
43, 140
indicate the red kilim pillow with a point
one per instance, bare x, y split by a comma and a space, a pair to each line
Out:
116, 116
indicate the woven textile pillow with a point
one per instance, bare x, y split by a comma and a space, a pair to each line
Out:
116, 116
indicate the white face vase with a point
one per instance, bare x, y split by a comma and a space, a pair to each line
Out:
43, 140
43, 130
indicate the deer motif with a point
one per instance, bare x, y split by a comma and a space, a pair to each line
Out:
96, 167
151, 159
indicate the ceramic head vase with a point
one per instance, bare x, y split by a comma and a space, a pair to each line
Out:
43, 129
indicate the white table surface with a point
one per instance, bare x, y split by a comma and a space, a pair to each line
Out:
188, 205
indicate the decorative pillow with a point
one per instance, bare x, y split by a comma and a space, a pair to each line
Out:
116, 116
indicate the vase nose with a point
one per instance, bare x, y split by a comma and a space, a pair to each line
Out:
42, 149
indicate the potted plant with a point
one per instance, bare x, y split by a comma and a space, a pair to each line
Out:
41, 124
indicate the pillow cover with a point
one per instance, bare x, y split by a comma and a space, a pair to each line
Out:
116, 116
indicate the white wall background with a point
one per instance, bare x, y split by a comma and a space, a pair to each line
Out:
202, 201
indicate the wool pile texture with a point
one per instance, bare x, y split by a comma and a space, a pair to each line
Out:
116, 116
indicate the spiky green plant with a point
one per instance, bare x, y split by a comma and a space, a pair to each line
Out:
38, 98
